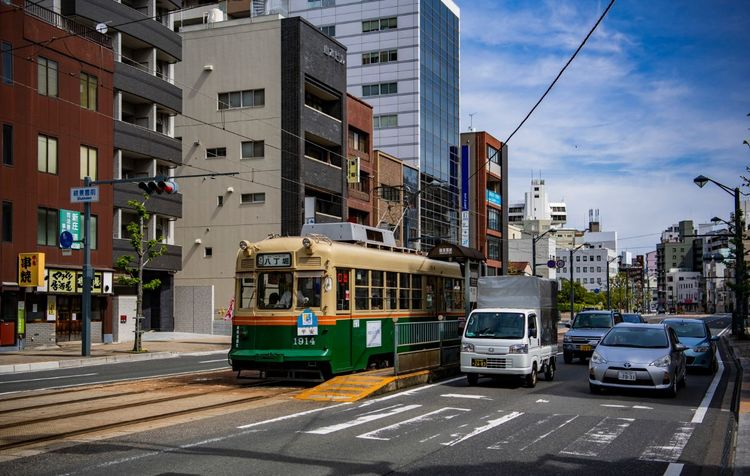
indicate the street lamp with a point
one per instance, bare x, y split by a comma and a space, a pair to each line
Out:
738, 317
609, 293
572, 294
534, 239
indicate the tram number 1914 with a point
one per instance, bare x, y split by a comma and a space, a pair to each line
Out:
303, 341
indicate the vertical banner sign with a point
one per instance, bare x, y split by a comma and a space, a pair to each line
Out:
30, 269
51, 307
464, 195
72, 221
21, 319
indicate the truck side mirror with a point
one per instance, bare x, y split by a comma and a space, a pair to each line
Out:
532, 333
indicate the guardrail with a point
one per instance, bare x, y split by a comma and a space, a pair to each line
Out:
436, 344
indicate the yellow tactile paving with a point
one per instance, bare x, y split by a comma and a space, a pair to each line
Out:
347, 388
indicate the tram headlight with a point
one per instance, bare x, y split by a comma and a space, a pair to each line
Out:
244, 245
307, 243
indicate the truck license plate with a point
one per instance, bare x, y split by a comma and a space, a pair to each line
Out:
626, 375
479, 362
585, 347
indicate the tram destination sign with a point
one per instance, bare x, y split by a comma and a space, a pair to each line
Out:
274, 260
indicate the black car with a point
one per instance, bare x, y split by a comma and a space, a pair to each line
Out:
633, 317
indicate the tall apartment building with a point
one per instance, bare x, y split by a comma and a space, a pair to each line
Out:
484, 190
536, 213
268, 101
403, 59
679, 251
145, 102
56, 78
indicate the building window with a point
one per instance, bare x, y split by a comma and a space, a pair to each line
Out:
88, 162
379, 89
7, 231
46, 226
208, 252
6, 49
246, 98
47, 154
220, 201
380, 24
253, 198
358, 140
216, 153
7, 144
46, 75
493, 248
329, 30
578, 258
253, 149
385, 121
88, 91
493, 219
385, 56
493, 155
320, 3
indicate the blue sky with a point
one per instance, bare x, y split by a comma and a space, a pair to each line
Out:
659, 95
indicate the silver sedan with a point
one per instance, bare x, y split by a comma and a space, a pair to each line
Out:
641, 356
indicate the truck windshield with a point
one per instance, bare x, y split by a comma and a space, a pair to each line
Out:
592, 320
496, 325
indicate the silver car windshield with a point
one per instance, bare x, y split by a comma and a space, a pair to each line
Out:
592, 320
495, 325
636, 337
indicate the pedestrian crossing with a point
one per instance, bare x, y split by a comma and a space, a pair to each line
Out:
581, 436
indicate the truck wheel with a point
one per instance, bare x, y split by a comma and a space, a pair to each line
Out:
567, 357
549, 373
531, 378
473, 379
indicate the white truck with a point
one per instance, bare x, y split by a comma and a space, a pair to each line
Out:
513, 330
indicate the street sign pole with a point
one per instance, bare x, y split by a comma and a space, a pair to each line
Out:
87, 275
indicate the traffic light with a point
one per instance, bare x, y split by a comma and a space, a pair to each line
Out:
159, 186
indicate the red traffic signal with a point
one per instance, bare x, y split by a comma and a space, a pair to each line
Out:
161, 186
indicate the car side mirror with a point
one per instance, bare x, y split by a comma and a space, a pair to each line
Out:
567, 324
715, 338
680, 348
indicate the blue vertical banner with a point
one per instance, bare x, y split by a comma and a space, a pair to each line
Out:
464, 195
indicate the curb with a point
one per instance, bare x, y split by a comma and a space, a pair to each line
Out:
742, 443
84, 362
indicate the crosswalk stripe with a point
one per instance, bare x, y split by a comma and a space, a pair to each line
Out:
427, 417
670, 452
490, 425
540, 438
598, 437
361, 420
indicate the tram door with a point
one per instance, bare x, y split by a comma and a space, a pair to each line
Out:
68, 325
345, 309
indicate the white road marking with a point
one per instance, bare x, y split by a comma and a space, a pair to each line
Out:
598, 437
212, 361
541, 400
409, 392
293, 415
380, 432
670, 452
479, 430
642, 407
674, 469
540, 438
361, 420
518, 435
47, 378
700, 413
612, 405
637, 407
458, 395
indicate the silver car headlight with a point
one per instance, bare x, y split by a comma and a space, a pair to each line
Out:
518, 349
662, 362
467, 347
596, 358
567, 338
702, 348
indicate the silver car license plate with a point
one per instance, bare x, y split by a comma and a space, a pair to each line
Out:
626, 375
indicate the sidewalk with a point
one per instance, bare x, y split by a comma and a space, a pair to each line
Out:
159, 345
741, 350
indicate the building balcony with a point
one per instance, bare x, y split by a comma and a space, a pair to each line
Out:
140, 83
147, 142
128, 21
169, 261
322, 125
166, 205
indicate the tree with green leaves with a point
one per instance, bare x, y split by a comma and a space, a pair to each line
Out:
145, 251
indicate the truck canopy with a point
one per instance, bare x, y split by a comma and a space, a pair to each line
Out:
522, 292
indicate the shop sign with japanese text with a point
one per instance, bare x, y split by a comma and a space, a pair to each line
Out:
30, 269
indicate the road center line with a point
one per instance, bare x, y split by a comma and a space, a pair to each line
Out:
458, 395
700, 413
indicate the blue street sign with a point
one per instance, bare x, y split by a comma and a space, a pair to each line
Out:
596, 290
551, 263
66, 239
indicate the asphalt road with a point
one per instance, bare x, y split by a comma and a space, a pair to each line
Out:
494, 428
98, 374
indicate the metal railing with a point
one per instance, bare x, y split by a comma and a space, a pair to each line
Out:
428, 337
67, 24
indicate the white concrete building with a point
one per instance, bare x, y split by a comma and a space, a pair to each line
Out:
536, 213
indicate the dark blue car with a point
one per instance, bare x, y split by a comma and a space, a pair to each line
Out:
695, 335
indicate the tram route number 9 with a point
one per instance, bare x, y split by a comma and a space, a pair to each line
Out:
303, 341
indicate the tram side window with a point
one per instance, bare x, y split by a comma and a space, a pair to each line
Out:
391, 290
247, 288
376, 290
416, 291
403, 292
361, 289
308, 292
342, 289
275, 290
454, 294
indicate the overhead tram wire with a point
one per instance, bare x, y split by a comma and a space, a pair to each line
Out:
505, 143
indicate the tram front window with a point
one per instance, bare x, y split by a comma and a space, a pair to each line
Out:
308, 292
275, 290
